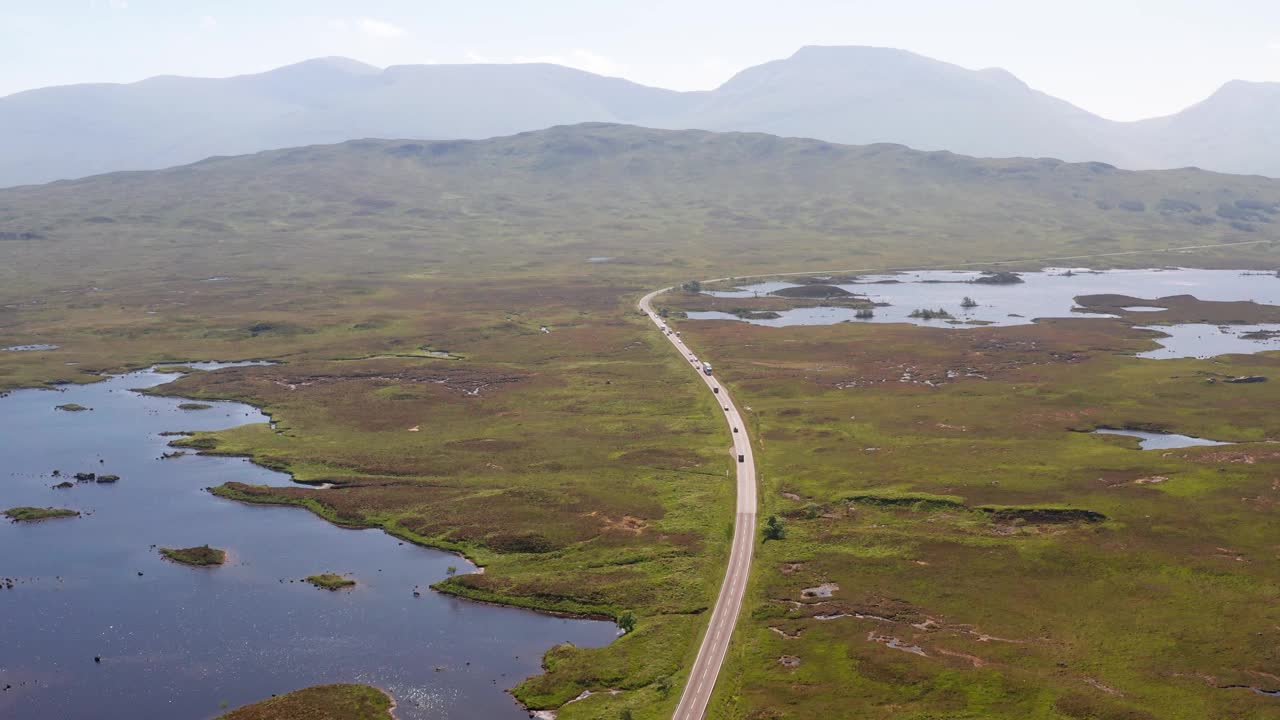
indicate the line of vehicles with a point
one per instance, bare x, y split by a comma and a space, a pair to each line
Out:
706, 370
706, 366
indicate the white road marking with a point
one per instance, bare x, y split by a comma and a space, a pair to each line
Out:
724, 616
715, 643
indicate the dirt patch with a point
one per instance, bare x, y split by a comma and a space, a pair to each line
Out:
626, 524
973, 660
791, 662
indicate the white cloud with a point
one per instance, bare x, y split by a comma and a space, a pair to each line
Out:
1274, 46
208, 22
380, 28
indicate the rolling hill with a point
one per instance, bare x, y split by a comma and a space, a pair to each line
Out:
74, 131
1233, 130
667, 203
858, 95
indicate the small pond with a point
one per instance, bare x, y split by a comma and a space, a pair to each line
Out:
182, 642
1160, 441
1195, 340
1049, 293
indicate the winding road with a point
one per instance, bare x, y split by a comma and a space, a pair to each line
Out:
706, 668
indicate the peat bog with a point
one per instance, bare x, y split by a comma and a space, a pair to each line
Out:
98, 624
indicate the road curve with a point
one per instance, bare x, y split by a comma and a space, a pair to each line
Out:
706, 668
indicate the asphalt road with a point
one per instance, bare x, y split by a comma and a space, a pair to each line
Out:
702, 680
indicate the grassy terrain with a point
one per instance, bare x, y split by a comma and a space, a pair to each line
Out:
323, 702
330, 581
405, 287
988, 558
200, 556
35, 514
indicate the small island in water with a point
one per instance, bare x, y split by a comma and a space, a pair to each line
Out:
330, 581
35, 514
323, 702
201, 556
71, 407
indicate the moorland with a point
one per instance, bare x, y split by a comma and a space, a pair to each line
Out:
958, 544
462, 365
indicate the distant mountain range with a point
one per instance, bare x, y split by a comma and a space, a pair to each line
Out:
855, 95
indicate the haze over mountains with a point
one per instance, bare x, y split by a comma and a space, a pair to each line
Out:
854, 95
646, 198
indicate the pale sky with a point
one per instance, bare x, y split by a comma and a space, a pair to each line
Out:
1122, 59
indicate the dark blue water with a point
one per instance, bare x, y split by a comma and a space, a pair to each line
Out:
182, 642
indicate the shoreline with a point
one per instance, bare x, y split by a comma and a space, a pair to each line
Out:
436, 586
231, 557
390, 698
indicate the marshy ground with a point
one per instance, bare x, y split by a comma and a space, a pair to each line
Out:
992, 560
406, 293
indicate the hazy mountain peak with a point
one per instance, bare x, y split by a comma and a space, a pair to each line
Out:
1238, 103
852, 52
848, 58
1001, 75
1245, 90
337, 62
849, 94
332, 65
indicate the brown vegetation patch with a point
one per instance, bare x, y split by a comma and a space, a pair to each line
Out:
1044, 516
1079, 706
1247, 455
792, 635
813, 290
762, 304
973, 660
486, 444
848, 355
1181, 309
671, 458
626, 525
875, 608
